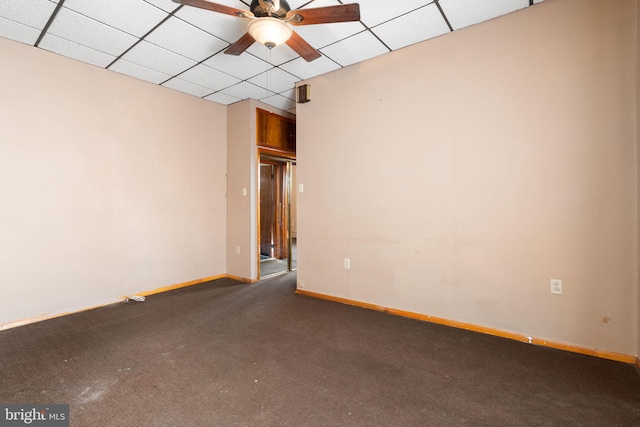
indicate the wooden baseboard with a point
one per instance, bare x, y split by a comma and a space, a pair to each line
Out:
482, 329
638, 363
241, 279
42, 317
177, 286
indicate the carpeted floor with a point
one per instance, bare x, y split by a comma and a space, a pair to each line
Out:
230, 354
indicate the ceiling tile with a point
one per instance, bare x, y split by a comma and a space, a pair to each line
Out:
32, 13
322, 35
18, 32
246, 90
243, 66
276, 56
208, 77
159, 59
138, 71
279, 101
185, 39
355, 49
295, 4
291, 94
135, 17
222, 98
187, 87
306, 70
375, 12
226, 27
78, 28
414, 27
166, 5
462, 13
314, 4
74, 50
275, 80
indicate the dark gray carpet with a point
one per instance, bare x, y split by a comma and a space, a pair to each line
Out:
230, 354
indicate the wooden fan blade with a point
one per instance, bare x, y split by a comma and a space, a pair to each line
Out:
202, 4
303, 48
325, 15
241, 45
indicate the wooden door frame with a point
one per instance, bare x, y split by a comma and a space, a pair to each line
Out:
283, 157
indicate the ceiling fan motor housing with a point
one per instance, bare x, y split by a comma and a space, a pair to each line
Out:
259, 11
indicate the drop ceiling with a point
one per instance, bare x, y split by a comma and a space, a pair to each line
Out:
181, 47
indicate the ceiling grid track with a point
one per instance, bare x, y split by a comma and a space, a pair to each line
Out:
49, 22
444, 16
145, 36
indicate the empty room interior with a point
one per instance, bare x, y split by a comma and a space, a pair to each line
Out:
465, 203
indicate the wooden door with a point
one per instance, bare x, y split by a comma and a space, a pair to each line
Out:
273, 210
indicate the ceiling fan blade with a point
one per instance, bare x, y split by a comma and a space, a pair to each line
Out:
325, 15
303, 48
241, 45
202, 4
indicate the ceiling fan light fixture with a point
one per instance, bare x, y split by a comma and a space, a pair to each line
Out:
270, 32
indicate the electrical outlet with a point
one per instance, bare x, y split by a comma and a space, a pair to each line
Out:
237, 249
347, 263
556, 286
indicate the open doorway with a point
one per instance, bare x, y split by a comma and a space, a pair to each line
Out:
278, 217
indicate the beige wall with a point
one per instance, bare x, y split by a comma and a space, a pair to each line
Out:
461, 174
638, 162
109, 185
241, 208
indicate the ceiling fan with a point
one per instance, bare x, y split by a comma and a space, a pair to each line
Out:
270, 21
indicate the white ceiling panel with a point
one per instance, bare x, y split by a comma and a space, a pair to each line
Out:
243, 66
279, 101
159, 59
320, 36
314, 4
139, 72
32, 13
76, 51
276, 56
463, 13
187, 87
226, 27
222, 98
246, 90
306, 70
166, 5
291, 94
18, 32
185, 39
209, 78
275, 80
375, 12
414, 27
295, 4
355, 49
135, 17
88, 32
